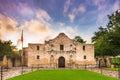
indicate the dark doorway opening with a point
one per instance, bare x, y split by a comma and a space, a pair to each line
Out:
61, 62
13, 62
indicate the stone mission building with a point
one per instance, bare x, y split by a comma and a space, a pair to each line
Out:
59, 52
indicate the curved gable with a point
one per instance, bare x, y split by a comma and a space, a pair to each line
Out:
61, 39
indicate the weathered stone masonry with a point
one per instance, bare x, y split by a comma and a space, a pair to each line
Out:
60, 52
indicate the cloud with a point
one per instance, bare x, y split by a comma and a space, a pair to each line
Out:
61, 24
66, 6
35, 26
7, 24
43, 15
100, 3
75, 11
116, 5
8, 29
81, 8
36, 31
24, 9
6, 5
71, 17
103, 11
71, 31
101, 17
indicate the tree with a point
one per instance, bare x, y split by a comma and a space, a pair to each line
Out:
107, 40
100, 40
79, 39
6, 48
115, 31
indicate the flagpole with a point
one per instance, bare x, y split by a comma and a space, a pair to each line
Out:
22, 52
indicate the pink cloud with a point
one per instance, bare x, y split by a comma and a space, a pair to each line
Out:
75, 11
116, 5
100, 4
8, 29
67, 5
103, 12
7, 24
81, 8
24, 9
42, 14
71, 17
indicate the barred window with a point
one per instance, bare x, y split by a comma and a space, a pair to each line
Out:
38, 57
84, 48
85, 57
61, 47
37, 47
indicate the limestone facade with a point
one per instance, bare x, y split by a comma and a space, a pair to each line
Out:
60, 52
9, 62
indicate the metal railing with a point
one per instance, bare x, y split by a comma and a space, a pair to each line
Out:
21, 70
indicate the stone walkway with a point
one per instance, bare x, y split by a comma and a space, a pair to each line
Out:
111, 73
18, 71
14, 72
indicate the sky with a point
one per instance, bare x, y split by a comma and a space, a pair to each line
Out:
44, 19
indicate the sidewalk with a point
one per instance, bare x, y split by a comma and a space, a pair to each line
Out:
14, 72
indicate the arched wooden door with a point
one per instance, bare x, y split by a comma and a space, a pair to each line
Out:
61, 62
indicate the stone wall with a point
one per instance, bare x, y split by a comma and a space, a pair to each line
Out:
61, 46
104, 61
10, 62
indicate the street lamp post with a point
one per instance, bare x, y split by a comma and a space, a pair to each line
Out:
22, 52
7, 63
118, 68
1, 73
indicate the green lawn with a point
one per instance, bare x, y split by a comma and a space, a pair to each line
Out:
62, 75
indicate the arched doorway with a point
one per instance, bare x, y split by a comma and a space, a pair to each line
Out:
61, 62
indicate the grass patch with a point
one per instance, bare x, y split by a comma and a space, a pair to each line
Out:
115, 69
62, 75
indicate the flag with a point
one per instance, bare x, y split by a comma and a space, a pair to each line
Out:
20, 41
22, 36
